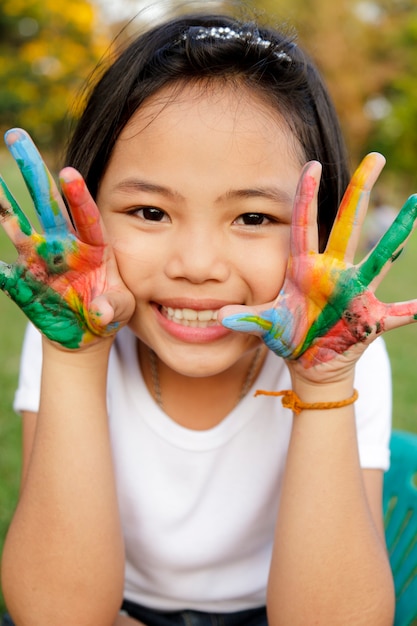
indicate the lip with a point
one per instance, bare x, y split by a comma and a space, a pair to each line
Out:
191, 334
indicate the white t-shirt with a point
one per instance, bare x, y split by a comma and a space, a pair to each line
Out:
198, 507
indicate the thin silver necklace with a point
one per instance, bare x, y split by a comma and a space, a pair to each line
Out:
247, 383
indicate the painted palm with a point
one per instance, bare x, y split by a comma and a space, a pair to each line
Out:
327, 304
59, 272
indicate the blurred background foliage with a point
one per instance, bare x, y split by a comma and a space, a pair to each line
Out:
366, 49
47, 49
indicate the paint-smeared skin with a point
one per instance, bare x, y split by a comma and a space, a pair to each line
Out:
56, 275
327, 304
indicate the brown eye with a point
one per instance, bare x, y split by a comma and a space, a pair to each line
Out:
151, 214
252, 219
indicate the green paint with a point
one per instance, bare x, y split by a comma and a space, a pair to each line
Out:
22, 220
259, 321
54, 206
43, 306
393, 239
355, 281
54, 253
346, 289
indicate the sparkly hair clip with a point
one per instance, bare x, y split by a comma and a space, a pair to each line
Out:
225, 33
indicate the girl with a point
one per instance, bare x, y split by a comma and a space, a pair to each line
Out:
153, 480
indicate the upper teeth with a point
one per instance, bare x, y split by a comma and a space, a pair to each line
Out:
191, 315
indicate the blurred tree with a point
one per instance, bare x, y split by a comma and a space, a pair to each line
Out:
367, 52
47, 49
394, 107
346, 39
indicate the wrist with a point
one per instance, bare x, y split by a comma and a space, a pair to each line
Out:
291, 400
96, 355
323, 384
312, 392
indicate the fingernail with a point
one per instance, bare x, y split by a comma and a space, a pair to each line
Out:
13, 135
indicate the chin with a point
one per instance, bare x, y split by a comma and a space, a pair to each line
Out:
204, 360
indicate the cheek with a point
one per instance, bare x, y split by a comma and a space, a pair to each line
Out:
138, 265
265, 273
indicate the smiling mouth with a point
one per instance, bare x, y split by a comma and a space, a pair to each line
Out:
190, 317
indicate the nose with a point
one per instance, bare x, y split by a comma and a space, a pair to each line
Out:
199, 256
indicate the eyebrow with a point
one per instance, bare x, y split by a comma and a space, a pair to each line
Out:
135, 184
275, 194
270, 193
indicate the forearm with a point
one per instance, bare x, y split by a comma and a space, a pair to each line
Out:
63, 557
329, 564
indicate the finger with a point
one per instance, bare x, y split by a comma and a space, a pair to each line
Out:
400, 314
304, 236
13, 220
84, 211
388, 249
345, 233
48, 203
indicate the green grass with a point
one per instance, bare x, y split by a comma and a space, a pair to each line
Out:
400, 284
12, 324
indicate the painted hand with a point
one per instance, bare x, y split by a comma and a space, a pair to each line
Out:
65, 279
327, 304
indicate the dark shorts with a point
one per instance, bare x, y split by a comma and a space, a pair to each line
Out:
151, 617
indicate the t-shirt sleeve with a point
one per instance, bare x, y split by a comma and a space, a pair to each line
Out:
374, 406
28, 391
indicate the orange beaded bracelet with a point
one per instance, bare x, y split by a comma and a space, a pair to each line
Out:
290, 400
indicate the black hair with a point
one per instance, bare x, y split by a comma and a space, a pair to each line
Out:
261, 58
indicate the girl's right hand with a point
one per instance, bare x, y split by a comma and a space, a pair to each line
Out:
65, 279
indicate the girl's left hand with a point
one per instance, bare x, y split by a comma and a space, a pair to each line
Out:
326, 311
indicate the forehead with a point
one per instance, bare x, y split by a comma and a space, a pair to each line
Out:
204, 144
220, 106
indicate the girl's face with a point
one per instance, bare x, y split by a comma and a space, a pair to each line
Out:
197, 201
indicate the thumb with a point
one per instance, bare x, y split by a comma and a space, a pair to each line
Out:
111, 311
271, 324
248, 319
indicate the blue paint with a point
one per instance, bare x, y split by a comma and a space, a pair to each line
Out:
37, 180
